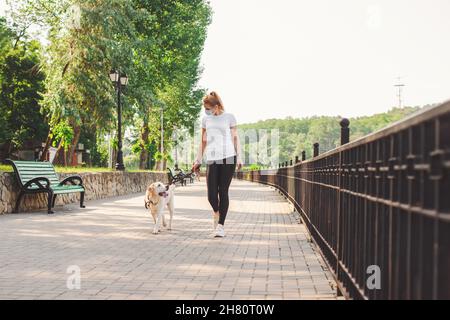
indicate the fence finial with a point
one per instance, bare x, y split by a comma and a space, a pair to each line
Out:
303, 155
316, 149
345, 131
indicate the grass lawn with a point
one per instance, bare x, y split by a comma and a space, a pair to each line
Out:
5, 168
8, 168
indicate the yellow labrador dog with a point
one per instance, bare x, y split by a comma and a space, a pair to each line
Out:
157, 197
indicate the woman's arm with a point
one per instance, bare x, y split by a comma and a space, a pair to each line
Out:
201, 150
237, 146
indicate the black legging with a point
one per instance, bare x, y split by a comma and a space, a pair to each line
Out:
218, 178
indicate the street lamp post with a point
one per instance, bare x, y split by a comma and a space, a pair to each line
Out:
120, 80
162, 139
175, 141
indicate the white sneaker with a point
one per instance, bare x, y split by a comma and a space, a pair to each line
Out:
220, 232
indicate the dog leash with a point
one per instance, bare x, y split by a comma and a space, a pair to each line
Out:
167, 189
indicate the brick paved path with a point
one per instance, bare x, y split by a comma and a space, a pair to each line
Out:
265, 255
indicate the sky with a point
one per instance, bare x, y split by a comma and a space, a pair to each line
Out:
279, 58
272, 59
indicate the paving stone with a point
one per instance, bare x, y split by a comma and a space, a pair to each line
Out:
265, 255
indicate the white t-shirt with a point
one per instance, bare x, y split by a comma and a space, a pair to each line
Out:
218, 136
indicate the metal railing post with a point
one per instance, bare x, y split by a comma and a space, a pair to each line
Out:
316, 149
367, 204
345, 131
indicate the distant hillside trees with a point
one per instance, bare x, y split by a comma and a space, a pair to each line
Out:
298, 134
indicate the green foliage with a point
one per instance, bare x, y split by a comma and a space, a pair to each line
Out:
297, 135
82, 55
168, 69
63, 132
157, 43
131, 162
99, 154
21, 80
158, 156
136, 147
97, 145
253, 167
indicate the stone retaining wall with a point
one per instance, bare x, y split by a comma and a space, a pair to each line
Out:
98, 185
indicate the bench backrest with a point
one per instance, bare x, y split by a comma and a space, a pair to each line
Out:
27, 170
170, 175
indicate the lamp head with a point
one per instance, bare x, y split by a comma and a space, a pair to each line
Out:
114, 76
123, 79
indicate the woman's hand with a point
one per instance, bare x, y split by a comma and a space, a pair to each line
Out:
196, 167
239, 164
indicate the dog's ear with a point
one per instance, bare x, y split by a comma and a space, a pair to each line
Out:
151, 190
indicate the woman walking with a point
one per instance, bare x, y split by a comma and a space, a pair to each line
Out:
220, 140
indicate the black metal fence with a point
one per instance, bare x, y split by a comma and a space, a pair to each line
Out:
382, 200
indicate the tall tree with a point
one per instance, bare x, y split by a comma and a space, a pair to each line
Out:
158, 43
21, 81
86, 40
168, 68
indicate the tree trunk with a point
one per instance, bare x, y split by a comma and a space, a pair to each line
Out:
48, 143
159, 163
73, 147
59, 156
143, 157
113, 157
6, 152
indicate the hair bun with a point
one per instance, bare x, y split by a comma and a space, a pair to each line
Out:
213, 99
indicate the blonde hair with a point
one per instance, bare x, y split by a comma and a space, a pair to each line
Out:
213, 99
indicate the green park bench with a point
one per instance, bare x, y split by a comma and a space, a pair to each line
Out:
40, 177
